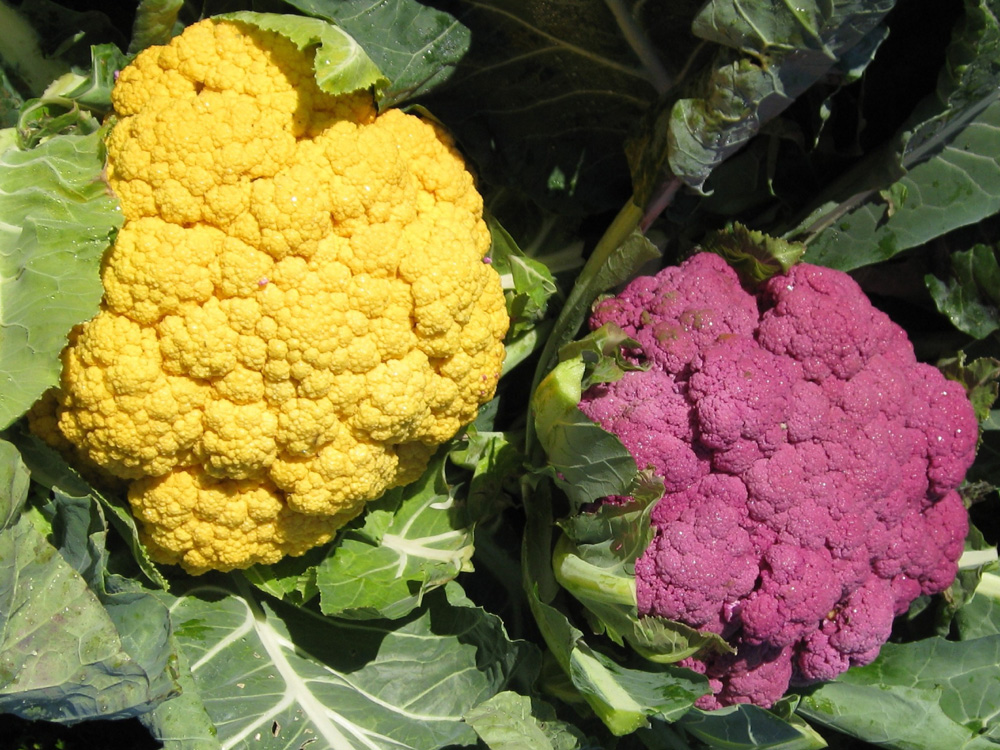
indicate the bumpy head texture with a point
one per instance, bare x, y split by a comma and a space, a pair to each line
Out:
810, 464
297, 310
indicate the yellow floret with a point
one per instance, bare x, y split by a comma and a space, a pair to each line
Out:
297, 311
192, 519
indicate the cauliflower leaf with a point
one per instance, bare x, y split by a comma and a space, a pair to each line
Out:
58, 220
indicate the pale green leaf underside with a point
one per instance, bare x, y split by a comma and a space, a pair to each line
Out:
284, 677
931, 688
410, 541
56, 220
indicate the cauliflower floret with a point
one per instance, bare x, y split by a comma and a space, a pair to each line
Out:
297, 307
810, 466
204, 523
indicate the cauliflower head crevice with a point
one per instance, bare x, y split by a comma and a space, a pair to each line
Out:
297, 311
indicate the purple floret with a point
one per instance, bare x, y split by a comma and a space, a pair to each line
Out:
810, 466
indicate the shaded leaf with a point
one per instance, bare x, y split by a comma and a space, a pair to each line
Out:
416, 46
959, 185
155, 23
62, 658
970, 298
747, 727
940, 168
567, 81
767, 55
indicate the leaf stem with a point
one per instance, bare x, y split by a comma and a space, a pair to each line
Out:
643, 47
659, 201
580, 297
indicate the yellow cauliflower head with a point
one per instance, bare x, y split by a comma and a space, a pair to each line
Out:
297, 309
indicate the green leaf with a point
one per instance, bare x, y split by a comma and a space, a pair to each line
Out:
182, 722
341, 65
970, 298
603, 580
980, 616
916, 696
755, 255
416, 46
509, 721
495, 464
409, 542
278, 676
586, 461
49, 469
11, 101
155, 23
979, 378
748, 727
968, 77
960, 185
768, 54
58, 218
79, 532
624, 698
943, 159
528, 288
622, 250
14, 482
91, 89
62, 658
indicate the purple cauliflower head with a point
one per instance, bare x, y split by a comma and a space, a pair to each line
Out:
810, 465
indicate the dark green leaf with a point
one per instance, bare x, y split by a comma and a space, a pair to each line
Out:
768, 54
943, 160
416, 46
567, 81
970, 298
62, 657
978, 377
747, 727
959, 185
155, 23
